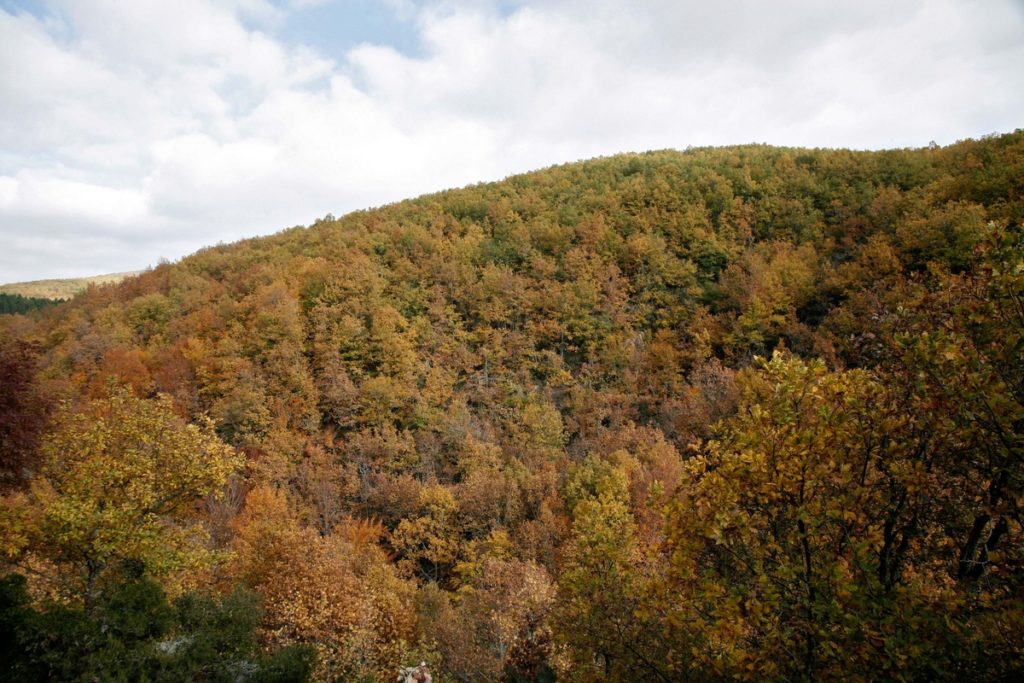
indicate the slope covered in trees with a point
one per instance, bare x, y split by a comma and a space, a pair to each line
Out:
744, 412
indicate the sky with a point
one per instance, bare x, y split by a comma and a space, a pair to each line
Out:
133, 131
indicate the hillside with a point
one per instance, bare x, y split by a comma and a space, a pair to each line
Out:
61, 289
745, 412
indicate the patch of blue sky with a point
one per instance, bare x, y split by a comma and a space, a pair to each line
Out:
334, 27
55, 23
34, 7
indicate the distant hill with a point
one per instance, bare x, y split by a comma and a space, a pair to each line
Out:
61, 289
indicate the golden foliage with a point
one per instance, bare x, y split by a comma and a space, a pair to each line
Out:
120, 481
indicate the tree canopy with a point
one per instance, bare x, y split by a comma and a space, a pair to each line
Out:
728, 413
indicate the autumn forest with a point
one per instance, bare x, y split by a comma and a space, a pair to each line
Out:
739, 413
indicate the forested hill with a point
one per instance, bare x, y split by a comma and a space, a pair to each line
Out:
744, 412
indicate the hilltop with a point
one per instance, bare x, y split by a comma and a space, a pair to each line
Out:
743, 412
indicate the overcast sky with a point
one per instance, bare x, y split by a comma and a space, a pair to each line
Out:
136, 130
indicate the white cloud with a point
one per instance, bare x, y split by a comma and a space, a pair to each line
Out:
40, 195
131, 131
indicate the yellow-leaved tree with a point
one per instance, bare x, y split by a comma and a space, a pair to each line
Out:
120, 482
819, 538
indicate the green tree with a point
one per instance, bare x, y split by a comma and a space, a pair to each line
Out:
133, 633
602, 587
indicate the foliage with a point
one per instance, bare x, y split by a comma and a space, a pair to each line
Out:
326, 592
134, 634
603, 582
526, 427
16, 303
116, 483
24, 407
